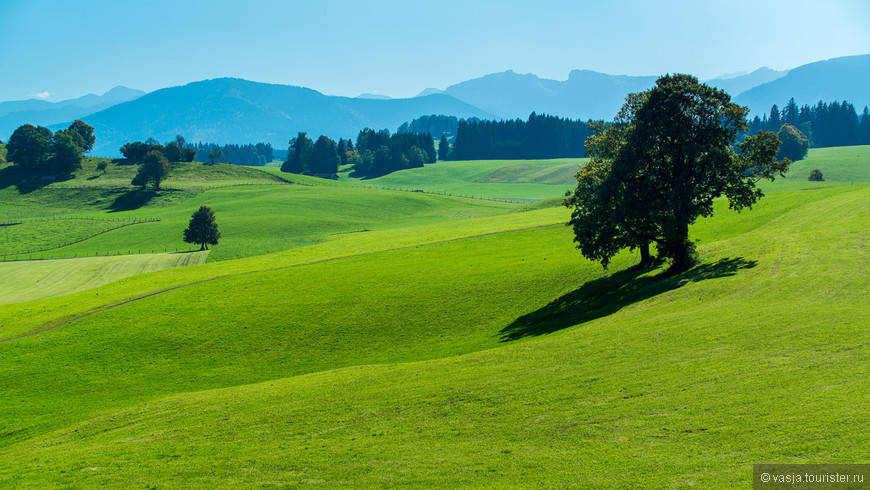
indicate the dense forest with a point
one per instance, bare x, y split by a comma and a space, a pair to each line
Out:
379, 153
542, 136
437, 126
376, 153
834, 124
251, 155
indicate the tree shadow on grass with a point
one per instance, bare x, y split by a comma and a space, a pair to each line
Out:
605, 296
132, 200
25, 182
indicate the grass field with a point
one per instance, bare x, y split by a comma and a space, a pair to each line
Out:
459, 342
506, 179
32, 280
524, 179
255, 215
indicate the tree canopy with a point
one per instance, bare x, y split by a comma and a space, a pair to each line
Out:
36, 149
324, 157
542, 136
202, 229
28, 146
135, 151
443, 148
298, 154
379, 153
83, 135
66, 153
154, 168
793, 143
658, 167
834, 124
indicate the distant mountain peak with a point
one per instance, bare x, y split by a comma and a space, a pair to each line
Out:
34, 111
430, 91
373, 96
729, 76
736, 84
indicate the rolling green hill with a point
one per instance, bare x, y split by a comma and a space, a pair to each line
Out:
458, 343
538, 179
500, 179
258, 212
32, 280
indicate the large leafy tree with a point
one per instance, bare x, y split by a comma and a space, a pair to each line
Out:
28, 146
67, 154
793, 143
135, 151
83, 135
172, 151
154, 168
202, 229
35, 148
660, 165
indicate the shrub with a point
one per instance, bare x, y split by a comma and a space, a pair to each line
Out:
816, 176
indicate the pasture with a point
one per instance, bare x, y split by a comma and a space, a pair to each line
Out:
417, 340
32, 280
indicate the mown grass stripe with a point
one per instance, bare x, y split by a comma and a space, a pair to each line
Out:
273, 269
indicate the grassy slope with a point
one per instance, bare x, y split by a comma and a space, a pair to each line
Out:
550, 178
254, 219
18, 319
649, 387
490, 178
692, 392
28, 281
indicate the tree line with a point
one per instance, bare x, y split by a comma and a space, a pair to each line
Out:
256, 155
824, 125
173, 151
36, 149
541, 136
436, 125
379, 153
375, 153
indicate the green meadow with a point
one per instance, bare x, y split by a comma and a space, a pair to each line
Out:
500, 179
346, 335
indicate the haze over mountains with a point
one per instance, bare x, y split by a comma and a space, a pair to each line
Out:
846, 78
229, 110
44, 113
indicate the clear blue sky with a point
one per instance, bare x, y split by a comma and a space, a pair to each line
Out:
65, 49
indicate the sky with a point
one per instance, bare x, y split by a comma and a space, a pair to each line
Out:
56, 49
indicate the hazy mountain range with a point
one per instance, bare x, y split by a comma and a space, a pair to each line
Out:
846, 78
35, 111
229, 110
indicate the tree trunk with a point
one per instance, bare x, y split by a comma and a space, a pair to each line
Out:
681, 249
645, 257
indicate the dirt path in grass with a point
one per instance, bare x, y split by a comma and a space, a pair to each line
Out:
226, 276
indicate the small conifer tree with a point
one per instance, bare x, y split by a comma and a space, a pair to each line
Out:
203, 229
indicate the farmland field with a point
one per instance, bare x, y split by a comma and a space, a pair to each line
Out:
32, 280
344, 336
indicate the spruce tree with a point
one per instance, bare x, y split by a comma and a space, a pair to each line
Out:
443, 148
324, 157
202, 229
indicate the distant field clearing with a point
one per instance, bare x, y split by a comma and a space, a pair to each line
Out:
40, 279
532, 174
